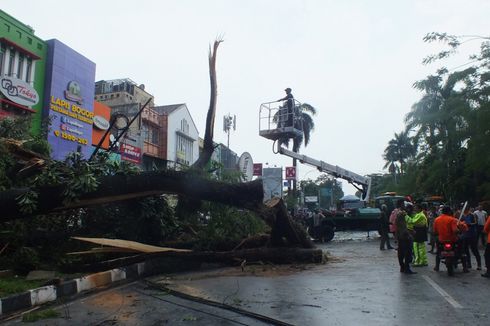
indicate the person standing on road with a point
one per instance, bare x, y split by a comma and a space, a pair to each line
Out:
318, 218
419, 221
384, 228
393, 215
486, 229
470, 239
432, 239
481, 217
404, 237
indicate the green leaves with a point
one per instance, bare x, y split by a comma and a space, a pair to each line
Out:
450, 126
27, 202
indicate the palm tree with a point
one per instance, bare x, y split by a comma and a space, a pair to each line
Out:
303, 122
440, 117
399, 149
390, 158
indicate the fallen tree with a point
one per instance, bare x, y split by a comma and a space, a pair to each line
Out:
247, 195
121, 187
192, 186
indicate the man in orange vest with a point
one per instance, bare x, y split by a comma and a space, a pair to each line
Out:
446, 228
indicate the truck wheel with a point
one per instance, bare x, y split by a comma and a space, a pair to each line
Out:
328, 233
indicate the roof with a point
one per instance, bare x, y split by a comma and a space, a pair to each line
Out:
167, 109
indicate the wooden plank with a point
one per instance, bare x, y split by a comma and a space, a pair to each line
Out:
132, 245
102, 250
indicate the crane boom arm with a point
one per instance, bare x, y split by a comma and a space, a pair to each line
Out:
362, 183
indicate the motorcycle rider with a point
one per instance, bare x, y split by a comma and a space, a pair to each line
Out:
447, 228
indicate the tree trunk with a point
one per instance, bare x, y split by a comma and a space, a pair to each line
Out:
208, 147
282, 226
247, 195
273, 255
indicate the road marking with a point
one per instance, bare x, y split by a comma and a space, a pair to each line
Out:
443, 293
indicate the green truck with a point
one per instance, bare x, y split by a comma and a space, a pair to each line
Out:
350, 215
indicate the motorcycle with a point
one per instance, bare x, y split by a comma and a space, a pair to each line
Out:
451, 253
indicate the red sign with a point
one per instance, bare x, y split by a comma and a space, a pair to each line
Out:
290, 173
258, 169
130, 153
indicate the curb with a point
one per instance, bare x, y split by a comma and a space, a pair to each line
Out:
51, 293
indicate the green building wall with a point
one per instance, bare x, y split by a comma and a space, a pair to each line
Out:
23, 35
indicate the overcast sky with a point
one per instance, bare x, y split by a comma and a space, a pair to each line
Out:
354, 60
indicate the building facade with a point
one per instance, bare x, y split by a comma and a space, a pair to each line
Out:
126, 98
22, 69
180, 135
68, 100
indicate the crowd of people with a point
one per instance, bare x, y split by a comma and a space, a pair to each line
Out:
415, 226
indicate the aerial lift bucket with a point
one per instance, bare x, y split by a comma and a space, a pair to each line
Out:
277, 121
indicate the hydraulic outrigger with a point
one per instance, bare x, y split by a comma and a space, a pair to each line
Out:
277, 122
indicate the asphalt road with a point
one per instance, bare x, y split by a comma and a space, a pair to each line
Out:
360, 285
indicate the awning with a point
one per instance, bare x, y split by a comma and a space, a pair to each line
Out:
18, 106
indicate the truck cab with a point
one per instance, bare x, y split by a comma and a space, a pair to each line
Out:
388, 199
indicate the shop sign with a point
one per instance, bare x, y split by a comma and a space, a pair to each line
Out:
130, 153
101, 122
18, 91
245, 164
257, 169
311, 199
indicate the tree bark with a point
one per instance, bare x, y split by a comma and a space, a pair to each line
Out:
282, 226
208, 147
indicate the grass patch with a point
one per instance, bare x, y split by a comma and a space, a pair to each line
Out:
13, 285
38, 315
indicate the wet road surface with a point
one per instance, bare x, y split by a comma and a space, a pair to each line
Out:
360, 285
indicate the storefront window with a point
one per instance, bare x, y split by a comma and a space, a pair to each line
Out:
28, 70
11, 63
20, 66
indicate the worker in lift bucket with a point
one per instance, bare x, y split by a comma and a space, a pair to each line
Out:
289, 105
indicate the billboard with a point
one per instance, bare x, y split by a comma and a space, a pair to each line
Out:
272, 181
68, 101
